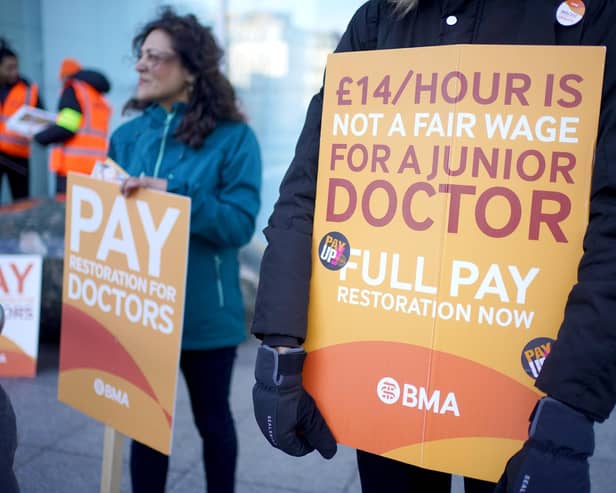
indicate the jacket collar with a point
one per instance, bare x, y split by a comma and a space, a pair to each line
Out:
158, 114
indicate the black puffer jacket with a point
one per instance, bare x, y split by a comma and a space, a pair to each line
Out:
581, 369
8, 444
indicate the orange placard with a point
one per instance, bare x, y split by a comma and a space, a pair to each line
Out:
452, 199
123, 306
20, 296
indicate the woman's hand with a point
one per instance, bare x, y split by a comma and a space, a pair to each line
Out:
132, 183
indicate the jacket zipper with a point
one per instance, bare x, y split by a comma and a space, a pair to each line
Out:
221, 294
163, 143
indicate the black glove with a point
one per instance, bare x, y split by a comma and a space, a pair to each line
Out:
285, 412
555, 456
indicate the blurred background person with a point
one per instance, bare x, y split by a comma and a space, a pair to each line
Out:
191, 139
15, 91
81, 130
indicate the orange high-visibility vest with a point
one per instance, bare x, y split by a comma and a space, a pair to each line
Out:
89, 144
11, 143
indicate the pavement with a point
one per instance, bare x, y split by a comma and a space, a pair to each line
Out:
60, 449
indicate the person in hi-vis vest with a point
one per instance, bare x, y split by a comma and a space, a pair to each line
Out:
15, 91
81, 130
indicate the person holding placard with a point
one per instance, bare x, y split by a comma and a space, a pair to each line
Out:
579, 374
191, 139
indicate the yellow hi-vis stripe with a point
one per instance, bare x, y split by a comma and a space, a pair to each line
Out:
69, 119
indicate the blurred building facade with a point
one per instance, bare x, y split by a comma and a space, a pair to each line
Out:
276, 54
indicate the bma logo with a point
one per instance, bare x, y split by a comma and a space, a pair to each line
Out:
110, 392
389, 392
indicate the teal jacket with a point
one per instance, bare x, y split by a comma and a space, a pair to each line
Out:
223, 180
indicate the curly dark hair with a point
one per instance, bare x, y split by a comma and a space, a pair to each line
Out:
212, 98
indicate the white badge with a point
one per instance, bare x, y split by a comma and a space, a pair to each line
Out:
570, 12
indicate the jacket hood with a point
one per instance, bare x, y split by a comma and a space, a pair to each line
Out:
97, 80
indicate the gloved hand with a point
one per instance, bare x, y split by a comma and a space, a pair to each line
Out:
555, 456
285, 412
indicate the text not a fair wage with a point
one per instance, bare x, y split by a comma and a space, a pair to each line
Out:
507, 127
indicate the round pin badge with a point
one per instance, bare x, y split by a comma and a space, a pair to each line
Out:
534, 354
570, 12
334, 250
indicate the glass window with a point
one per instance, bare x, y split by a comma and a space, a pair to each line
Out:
276, 53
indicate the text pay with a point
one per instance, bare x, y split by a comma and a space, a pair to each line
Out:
116, 219
465, 273
13, 278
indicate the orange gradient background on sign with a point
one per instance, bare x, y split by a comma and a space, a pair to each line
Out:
352, 347
131, 358
16, 363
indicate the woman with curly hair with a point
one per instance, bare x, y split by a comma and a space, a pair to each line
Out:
191, 139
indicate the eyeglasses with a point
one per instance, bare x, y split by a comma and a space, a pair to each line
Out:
154, 59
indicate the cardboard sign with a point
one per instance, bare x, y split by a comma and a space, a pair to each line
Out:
123, 306
452, 200
20, 295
